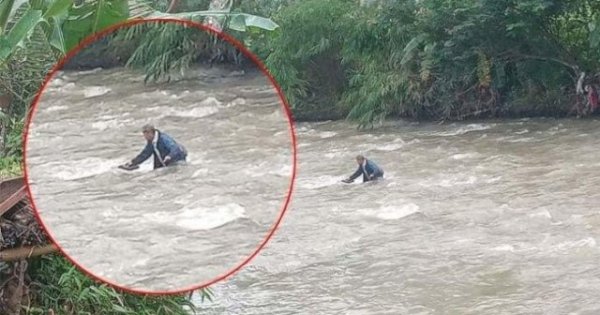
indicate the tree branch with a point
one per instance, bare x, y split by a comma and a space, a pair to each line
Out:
15, 254
172, 6
574, 68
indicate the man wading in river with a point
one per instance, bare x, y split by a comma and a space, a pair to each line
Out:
368, 169
165, 150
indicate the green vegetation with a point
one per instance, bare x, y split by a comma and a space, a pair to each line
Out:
10, 167
162, 49
435, 59
419, 59
60, 287
34, 34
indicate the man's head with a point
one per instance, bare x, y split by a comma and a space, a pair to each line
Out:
360, 159
148, 131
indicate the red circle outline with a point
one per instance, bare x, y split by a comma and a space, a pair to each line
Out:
223, 36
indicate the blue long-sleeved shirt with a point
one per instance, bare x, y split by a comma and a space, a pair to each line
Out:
370, 168
165, 145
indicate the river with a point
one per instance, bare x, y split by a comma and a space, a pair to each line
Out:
494, 217
173, 228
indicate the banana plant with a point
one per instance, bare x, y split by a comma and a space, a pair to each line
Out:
65, 23
220, 15
19, 19
237, 21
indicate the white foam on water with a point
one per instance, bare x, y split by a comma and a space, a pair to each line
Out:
332, 155
153, 95
465, 129
543, 214
521, 132
281, 133
319, 181
200, 218
493, 180
114, 212
462, 156
390, 147
210, 102
450, 182
284, 170
92, 71
276, 115
72, 170
68, 86
504, 248
392, 212
109, 124
140, 263
586, 242
56, 82
200, 172
413, 141
196, 112
236, 102
304, 129
93, 91
56, 108
521, 140
327, 134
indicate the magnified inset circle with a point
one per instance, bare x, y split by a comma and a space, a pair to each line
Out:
160, 186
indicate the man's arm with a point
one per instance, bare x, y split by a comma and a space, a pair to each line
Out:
355, 175
144, 155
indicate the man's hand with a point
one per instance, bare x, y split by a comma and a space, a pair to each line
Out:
347, 180
128, 166
167, 159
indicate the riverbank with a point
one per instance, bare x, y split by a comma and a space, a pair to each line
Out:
314, 111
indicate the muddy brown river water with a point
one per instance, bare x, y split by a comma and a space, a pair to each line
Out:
172, 228
495, 217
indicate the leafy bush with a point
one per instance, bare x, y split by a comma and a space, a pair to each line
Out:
57, 285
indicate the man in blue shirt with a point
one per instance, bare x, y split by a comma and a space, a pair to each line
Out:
165, 150
368, 169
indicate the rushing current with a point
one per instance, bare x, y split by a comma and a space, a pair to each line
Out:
497, 217
494, 217
171, 228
